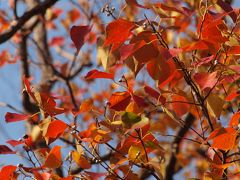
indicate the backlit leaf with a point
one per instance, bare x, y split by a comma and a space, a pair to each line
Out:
223, 138
55, 129
129, 119
119, 100
54, 159
80, 160
135, 3
235, 120
180, 105
78, 35
152, 92
136, 154
118, 31
206, 80
93, 74
14, 117
6, 150
6, 172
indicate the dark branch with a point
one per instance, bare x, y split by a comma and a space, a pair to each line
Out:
25, 17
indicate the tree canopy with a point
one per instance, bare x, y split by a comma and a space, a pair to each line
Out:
121, 89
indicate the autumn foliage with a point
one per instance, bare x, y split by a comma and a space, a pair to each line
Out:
136, 90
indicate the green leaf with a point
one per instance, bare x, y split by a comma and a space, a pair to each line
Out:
129, 119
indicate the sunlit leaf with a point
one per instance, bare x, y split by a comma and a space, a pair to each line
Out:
80, 160
55, 129
118, 31
136, 154
235, 120
223, 138
6, 172
54, 159
206, 80
93, 74
119, 100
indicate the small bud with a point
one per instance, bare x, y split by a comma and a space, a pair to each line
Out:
19, 165
102, 10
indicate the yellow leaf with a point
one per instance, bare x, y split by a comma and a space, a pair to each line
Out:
136, 154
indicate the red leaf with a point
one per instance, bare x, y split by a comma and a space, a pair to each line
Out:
232, 95
78, 35
55, 129
234, 50
119, 100
139, 100
14, 142
117, 32
206, 80
152, 92
6, 150
7, 172
235, 120
204, 60
57, 41
94, 175
93, 74
199, 45
135, 3
129, 49
180, 105
28, 88
14, 117
223, 138
48, 105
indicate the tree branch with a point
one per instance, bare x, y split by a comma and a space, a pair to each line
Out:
25, 17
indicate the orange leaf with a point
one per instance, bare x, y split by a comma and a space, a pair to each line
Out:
81, 160
73, 14
55, 129
86, 105
78, 35
180, 105
119, 100
223, 138
234, 50
54, 159
14, 117
57, 41
235, 120
93, 74
7, 172
232, 95
118, 31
